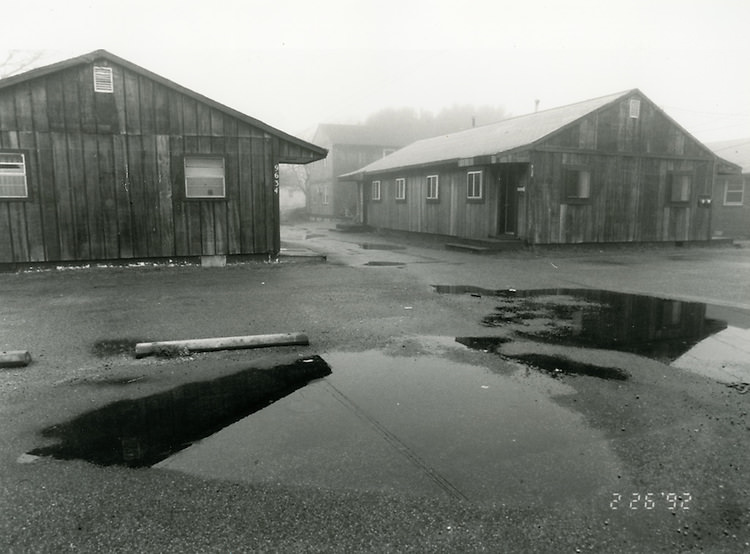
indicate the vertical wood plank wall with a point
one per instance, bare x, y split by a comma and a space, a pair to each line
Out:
452, 214
630, 160
106, 179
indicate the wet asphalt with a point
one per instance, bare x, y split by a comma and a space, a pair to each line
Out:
675, 443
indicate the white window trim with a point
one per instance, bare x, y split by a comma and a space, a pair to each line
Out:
326, 195
401, 188
223, 177
469, 180
741, 190
437, 187
24, 175
375, 189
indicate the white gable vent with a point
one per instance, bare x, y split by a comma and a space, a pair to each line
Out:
635, 108
103, 81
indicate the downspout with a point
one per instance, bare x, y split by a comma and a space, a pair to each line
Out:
528, 195
710, 206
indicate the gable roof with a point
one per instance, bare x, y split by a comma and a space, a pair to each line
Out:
360, 135
736, 151
104, 55
495, 138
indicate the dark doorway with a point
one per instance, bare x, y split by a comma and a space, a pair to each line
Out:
509, 176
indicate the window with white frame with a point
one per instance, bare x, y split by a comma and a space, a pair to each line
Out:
400, 188
734, 193
204, 177
375, 190
474, 185
577, 183
13, 175
432, 187
326, 193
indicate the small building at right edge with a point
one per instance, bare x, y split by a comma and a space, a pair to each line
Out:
614, 169
731, 209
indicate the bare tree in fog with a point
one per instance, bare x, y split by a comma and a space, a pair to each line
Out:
18, 61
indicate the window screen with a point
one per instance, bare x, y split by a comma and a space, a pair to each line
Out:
679, 187
577, 183
204, 177
13, 176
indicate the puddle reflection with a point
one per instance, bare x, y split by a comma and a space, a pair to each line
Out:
143, 431
707, 339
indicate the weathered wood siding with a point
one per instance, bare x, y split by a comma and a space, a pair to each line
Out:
106, 179
630, 160
451, 214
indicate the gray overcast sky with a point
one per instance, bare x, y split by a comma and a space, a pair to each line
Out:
297, 63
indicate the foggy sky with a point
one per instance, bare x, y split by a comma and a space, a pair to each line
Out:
294, 64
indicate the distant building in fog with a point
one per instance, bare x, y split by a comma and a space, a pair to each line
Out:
349, 147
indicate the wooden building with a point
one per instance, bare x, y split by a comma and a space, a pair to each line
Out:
101, 159
349, 147
611, 169
731, 198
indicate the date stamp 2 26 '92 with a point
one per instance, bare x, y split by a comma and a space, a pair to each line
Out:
671, 501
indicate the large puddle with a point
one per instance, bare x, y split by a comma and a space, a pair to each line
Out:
711, 340
424, 426
420, 426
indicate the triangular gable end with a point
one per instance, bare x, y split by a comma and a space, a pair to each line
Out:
630, 122
291, 148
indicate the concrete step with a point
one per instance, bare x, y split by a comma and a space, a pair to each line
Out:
485, 246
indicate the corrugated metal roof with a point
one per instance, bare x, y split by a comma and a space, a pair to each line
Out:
503, 136
736, 151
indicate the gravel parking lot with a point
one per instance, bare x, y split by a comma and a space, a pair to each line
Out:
665, 431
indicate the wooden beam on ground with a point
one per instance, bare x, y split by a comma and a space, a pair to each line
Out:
220, 343
15, 358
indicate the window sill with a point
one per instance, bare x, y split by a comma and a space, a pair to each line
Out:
577, 201
475, 200
205, 199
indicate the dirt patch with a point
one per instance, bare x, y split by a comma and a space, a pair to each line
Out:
106, 348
